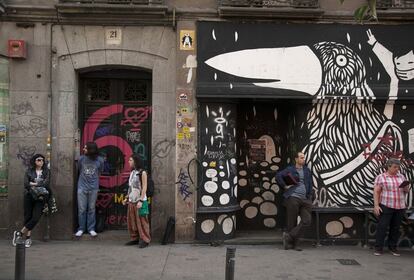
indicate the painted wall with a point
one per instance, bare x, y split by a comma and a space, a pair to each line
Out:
354, 92
186, 181
87, 47
29, 88
75, 48
4, 129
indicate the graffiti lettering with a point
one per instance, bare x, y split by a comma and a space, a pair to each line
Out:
118, 198
183, 186
104, 200
116, 220
140, 150
105, 130
133, 136
136, 116
88, 135
215, 154
220, 121
29, 125
22, 108
25, 153
163, 148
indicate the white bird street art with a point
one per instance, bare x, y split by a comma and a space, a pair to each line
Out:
350, 138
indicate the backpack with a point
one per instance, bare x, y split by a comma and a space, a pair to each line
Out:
150, 183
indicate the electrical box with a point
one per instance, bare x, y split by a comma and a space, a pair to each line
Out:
17, 49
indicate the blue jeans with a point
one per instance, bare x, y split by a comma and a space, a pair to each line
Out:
86, 209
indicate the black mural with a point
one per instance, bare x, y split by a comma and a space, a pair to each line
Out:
217, 197
263, 147
359, 83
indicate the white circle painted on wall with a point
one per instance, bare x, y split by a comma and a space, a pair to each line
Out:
250, 212
210, 186
233, 161
220, 218
334, 228
205, 164
269, 222
227, 225
242, 182
257, 200
207, 226
225, 185
276, 159
211, 173
243, 202
224, 199
275, 188
347, 221
268, 209
222, 174
268, 196
207, 200
274, 167
264, 163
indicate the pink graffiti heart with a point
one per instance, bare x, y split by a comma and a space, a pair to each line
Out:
104, 200
136, 116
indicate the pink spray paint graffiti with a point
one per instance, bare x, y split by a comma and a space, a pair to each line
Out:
133, 116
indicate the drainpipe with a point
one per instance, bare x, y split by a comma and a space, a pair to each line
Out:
49, 120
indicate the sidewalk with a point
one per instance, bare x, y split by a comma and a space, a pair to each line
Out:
63, 260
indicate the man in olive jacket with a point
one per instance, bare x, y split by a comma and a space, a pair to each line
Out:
296, 180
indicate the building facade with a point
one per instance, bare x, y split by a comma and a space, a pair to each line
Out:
215, 97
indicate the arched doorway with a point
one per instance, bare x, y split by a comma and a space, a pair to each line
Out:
115, 112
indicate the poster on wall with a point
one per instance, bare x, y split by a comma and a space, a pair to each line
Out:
187, 40
2, 133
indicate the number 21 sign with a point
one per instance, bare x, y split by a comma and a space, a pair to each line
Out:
113, 36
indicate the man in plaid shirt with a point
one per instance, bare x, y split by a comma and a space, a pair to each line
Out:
389, 206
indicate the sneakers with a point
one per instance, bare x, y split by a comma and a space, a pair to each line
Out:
16, 235
28, 242
378, 252
79, 233
395, 252
132, 242
93, 233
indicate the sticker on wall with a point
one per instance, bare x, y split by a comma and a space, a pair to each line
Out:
113, 36
187, 40
2, 133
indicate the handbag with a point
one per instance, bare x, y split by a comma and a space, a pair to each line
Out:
39, 193
144, 210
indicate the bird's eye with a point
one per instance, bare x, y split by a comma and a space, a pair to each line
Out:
341, 60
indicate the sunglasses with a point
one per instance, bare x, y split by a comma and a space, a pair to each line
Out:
39, 159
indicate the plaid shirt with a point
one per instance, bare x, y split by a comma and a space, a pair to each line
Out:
391, 196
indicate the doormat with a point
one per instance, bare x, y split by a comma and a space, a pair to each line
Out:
348, 262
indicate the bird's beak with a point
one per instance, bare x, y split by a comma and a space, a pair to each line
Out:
292, 68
